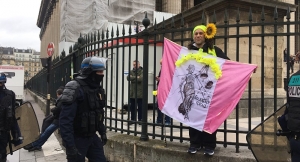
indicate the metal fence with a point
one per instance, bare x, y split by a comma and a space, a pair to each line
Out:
122, 49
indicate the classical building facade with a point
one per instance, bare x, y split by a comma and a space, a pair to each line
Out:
49, 22
30, 59
50, 19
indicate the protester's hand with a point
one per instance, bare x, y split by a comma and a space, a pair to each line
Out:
157, 78
72, 153
103, 139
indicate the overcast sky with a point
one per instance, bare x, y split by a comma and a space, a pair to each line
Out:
18, 27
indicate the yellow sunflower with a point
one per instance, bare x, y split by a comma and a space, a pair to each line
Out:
211, 31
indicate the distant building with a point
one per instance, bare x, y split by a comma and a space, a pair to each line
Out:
30, 59
7, 56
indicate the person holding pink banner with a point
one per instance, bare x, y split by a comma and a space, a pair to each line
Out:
202, 39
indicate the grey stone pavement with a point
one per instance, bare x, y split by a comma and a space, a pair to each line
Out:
53, 152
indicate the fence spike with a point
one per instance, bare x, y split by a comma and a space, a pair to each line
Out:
80, 40
226, 16
263, 14
95, 36
70, 49
123, 30
112, 32
203, 18
250, 15
98, 35
172, 22
214, 17
238, 15
88, 38
288, 13
146, 21
92, 37
102, 34
155, 24
117, 31
275, 13
107, 32
130, 31
163, 23
182, 20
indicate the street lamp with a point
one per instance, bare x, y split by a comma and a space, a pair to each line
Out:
46, 63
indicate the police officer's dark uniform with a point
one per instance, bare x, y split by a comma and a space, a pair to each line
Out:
82, 113
293, 121
8, 122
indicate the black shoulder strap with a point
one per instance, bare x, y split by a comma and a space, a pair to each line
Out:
83, 84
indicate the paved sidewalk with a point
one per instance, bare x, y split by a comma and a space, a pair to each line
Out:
52, 150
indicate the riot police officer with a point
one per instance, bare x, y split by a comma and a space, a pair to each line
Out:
293, 115
8, 123
82, 114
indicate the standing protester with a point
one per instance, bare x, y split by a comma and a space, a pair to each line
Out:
83, 101
285, 55
37, 145
160, 116
136, 91
202, 39
8, 123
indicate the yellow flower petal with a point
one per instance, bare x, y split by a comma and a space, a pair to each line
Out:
154, 93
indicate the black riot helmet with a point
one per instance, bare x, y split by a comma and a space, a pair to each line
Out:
2, 78
91, 64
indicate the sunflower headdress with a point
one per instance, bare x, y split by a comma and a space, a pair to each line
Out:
211, 31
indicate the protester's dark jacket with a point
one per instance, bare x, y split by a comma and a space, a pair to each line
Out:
69, 116
136, 84
219, 52
56, 111
158, 77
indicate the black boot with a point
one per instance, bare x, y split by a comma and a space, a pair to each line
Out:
28, 147
36, 148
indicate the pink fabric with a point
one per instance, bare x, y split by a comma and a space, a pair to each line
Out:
228, 91
167, 70
211, 106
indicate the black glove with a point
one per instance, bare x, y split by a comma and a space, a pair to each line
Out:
103, 139
17, 141
72, 153
54, 110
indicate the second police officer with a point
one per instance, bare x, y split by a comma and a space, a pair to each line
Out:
293, 115
8, 123
82, 113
